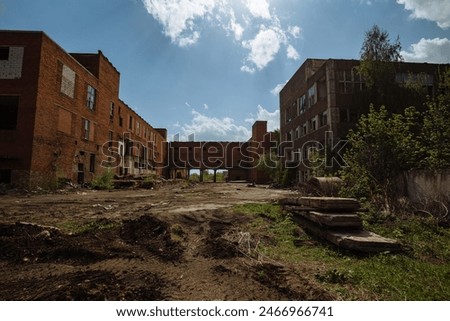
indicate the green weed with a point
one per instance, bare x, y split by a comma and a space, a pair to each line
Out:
422, 273
80, 228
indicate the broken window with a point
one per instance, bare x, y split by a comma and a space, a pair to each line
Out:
4, 53
110, 138
9, 106
111, 111
67, 81
302, 104
324, 119
312, 95
130, 123
5, 176
11, 61
91, 93
344, 115
92, 163
86, 129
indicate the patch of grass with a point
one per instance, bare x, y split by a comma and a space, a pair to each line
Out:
422, 273
80, 228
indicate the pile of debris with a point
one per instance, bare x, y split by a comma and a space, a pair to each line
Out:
337, 221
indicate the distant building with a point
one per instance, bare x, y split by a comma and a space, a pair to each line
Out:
61, 117
325, 98
239, 159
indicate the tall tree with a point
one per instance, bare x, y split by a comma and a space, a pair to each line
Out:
377, 56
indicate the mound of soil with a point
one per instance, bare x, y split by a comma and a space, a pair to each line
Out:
31, 243
154, 235
216, 246
88, 286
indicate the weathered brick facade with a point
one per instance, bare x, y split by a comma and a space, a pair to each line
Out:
324, 99
62, 117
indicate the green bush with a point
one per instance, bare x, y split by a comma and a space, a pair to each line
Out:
104, 181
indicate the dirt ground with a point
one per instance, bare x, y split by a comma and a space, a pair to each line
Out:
164, 244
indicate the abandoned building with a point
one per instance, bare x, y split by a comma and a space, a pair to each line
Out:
61, 116
326, 97
239, 159
61, 119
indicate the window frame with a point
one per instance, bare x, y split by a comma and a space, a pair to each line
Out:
91, 98
86, 129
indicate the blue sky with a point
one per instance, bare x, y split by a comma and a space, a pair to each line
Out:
213, 67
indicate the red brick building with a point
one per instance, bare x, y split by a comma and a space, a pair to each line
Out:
238, 158
61, 117
324, 99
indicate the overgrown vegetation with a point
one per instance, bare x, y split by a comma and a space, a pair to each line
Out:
422, 272
103, 181
384, 144
390, 140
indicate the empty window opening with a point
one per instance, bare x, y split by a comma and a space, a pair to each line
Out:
111, 112
4, 53
5, 176
92, 163
9, 106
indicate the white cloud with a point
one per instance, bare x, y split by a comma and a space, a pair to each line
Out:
205, 128
272, 118
435, 50
182, 21
248, 69
205, 106
258, 8
294, 31
214, 129
263, 47
275, 91
292, 53
235, 27
434, 10
178, 17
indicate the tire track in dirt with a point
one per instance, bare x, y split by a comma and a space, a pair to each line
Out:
150, 251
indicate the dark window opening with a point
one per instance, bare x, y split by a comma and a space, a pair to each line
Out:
80, 176
5, 176
130, 123
111, 112
4, 53
9, 106
92, 163
343, 115
110, 138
